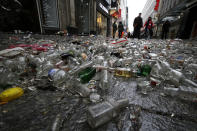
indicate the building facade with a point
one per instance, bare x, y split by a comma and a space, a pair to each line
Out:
124, 13
63, 17
151, 10
19, 15
182, 15
74, 16
148, 10
81, 17
55, 15
127, 18
85, 16
103, 18
114, 13
119, 12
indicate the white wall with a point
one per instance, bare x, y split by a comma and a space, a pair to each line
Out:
123, 5
148, 9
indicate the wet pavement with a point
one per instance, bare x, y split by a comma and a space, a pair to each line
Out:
41, 109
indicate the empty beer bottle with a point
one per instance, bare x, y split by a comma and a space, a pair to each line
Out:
125, 72
103, 112
144, 70
87, 74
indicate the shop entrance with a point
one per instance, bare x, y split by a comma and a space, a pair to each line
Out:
101, 24
19, 15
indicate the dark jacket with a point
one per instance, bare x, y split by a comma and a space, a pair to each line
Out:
120, 27
138, 22
149, 24
166, 26
114, 27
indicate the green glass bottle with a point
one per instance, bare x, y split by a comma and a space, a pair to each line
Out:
87, 74
144, 70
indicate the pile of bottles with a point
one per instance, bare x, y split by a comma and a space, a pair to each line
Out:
87, 64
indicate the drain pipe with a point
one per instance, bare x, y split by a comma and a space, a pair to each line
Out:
39, 15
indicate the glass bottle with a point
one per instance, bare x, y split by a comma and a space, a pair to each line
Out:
87, 74
103, 112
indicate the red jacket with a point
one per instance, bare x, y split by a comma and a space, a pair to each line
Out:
150, 24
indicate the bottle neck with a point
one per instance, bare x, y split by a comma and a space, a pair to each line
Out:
189, 83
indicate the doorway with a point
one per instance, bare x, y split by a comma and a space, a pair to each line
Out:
19, 15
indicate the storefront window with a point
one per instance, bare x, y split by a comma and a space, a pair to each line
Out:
101, 24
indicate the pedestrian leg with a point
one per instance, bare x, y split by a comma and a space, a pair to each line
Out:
119, 34
146, 33
150, 33
162, 35
134, 33
138, 33
166, 35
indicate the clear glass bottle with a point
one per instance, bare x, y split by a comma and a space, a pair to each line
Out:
44, 69
58, 77
105, 84
124, 72
190, 72
103, 112
82, 89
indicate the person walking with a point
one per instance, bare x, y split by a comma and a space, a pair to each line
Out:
114, 29
129, 35
165, 29
120, 29
149, 28
137, 24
